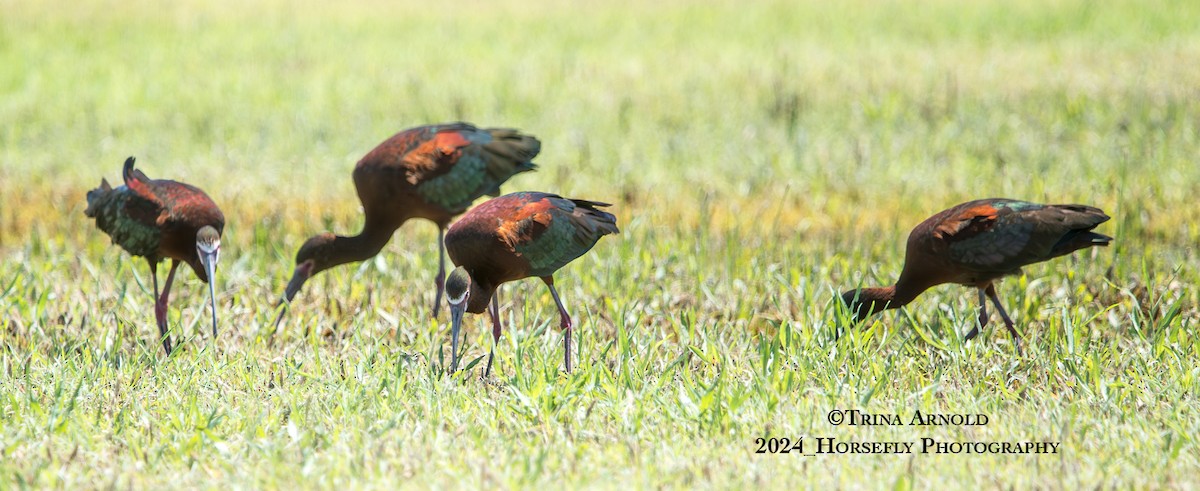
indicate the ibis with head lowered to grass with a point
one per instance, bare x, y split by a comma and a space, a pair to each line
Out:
975, 244
433, 172
161, 219
517, 236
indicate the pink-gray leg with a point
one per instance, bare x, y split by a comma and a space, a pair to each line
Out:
494, 310
564, 321
160, 304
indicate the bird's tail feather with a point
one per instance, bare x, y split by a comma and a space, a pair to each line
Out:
514, 146
127, 170
1096, 239
95, 196
603, 221
131, 174
1081, 239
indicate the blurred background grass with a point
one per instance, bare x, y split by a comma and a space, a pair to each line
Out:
761, 156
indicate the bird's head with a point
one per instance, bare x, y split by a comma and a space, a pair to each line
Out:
863, 303
312, 258
858, 309
458, 293
208, 247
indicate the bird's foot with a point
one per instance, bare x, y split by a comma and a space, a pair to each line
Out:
165, 337
567, 348
160, 316
971, 334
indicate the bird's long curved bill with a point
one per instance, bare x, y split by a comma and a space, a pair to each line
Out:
293, 287
456, 315
210, 267
282, 307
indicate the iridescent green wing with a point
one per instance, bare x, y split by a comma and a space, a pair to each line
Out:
458, 165
1001, 235
130, 214
551, 231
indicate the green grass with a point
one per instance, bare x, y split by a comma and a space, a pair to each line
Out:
761, 158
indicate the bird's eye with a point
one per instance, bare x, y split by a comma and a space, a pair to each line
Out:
209, 249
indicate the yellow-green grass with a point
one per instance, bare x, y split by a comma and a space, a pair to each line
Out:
761, 158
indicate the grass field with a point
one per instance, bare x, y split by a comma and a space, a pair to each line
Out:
761, 157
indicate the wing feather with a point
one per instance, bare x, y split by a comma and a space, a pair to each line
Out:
1004, 235
553, 231
458, 164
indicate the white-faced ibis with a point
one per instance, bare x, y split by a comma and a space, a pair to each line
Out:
512, 237
978, 242
161, 219
433, 172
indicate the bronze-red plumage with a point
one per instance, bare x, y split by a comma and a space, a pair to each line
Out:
978, 242
161, 219
433, 172
519, 235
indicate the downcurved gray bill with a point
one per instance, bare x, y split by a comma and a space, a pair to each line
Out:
456, 315
210, 268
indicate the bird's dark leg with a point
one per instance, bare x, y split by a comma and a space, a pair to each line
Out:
160, 305
564, 321
983, 317
496, 329
991, 293
440, 279
159, 313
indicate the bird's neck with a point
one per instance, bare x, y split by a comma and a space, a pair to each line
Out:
892, 297
908, 287
481, 295
358, 247
879, 299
